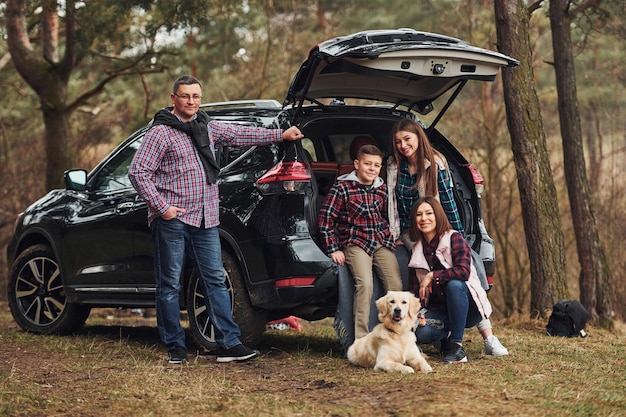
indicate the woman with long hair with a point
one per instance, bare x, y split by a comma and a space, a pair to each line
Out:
415, 170
444, 277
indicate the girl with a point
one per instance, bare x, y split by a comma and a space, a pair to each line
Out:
416, 169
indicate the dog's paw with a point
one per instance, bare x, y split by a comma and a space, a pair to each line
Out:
407, 370
426, 368
394, 367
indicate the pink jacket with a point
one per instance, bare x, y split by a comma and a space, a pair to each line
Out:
418, 261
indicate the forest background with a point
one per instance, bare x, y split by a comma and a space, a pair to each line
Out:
251, 49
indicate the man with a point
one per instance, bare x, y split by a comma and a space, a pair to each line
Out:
175, 172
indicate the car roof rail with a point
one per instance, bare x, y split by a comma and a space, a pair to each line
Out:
261, 104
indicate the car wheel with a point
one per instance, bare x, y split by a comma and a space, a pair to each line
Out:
37, 295
250, 320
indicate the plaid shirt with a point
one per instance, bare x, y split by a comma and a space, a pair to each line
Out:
353, 213
460, 270
407, 195
167, 171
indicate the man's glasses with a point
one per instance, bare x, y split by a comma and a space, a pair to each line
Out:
186, 97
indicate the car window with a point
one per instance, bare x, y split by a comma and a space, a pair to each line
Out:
227, 154
309, 146
114, 175
333, 148
341, 147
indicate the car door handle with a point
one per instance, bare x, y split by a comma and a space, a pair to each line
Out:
124, 208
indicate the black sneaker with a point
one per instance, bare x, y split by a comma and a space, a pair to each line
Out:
454, 353
177, 355
237, 353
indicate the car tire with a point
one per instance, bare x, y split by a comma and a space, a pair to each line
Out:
250, 320
37, 295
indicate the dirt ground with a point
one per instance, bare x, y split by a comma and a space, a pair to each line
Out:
117, 366
296, 373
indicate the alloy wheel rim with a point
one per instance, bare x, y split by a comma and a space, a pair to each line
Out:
39, 291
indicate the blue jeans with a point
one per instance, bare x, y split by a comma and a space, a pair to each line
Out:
172, 240
462, 313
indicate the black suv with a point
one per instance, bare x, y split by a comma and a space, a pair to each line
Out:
89, 245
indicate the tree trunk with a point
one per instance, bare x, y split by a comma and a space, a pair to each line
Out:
540, 214
48, 77
59, 151
595, 275
322, 23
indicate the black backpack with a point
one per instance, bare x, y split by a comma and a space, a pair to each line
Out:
568, 319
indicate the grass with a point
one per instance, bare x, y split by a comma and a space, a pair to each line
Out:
115, 368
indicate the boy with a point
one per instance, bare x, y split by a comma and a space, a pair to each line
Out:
355, 232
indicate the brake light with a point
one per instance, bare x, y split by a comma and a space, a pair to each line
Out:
286, 176
478, 179
295, 282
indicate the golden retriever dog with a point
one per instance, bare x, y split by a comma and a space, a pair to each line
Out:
391, 345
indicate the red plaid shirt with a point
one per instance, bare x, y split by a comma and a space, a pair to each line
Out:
167, 170
461, 257
460, 270
353, 213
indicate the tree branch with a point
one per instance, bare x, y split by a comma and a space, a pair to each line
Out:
69, 59
584, 7
6, 58
534, 6
50, 32
112, 75
147, 93
19, 44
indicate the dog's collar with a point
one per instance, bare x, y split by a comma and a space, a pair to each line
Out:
394, 332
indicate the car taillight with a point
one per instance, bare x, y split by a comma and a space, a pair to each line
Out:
295, 282
478, 179
490, 281
286, 176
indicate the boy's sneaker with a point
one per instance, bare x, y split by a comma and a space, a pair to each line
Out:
237, 353
177, 355
454, 353
494, 347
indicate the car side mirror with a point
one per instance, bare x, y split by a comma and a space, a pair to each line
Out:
75, 179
